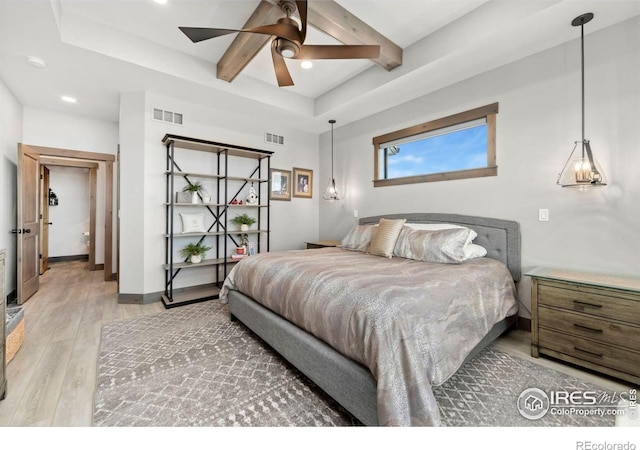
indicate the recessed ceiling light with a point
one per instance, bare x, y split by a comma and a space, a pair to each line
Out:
161, 2
66, 98
306, 64
36, 62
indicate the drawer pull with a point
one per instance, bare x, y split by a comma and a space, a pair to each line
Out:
582, 327
597, 355
593, 305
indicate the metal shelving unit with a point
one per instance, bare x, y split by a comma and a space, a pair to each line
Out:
228, 188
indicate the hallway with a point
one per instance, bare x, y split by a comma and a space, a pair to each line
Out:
51, 380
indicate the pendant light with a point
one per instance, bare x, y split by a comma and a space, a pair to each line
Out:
581, 171
331, 193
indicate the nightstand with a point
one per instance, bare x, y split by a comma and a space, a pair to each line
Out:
589, 320
322, 244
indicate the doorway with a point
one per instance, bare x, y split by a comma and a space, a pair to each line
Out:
68, 207
32, 228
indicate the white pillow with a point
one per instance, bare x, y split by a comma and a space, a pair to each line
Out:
193, 223
471, 250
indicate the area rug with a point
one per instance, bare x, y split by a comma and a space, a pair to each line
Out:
192, 366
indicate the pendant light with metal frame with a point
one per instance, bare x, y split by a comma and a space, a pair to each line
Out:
331, 193
581, 172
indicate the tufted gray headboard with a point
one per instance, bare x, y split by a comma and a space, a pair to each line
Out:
500, 237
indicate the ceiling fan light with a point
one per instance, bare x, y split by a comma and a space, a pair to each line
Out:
306, 64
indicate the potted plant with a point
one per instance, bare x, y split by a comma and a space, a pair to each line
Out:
194, 252
244, 220
195, 188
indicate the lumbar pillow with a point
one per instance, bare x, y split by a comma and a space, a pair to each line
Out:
192, 223
385, 237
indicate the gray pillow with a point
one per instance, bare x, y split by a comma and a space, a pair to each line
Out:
436, 246
358, 238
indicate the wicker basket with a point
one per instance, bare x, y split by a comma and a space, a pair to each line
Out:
15, 331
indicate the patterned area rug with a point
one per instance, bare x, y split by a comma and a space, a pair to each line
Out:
192, 366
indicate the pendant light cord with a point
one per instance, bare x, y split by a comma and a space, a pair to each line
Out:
582, 68
332, 122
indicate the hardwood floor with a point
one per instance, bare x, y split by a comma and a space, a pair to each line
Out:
51, 380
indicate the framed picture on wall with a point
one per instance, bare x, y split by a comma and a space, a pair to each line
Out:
303, 182
280, 184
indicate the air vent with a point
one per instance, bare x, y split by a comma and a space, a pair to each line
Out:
167, 116
274, 139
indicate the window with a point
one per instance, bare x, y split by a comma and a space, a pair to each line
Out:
454, 147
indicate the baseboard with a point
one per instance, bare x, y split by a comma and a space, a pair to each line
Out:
139, 299
145, 299
55, 259
524, 324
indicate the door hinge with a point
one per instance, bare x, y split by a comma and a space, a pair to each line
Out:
40, 216
41, 177
40, 255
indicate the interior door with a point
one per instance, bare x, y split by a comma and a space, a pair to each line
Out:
44, 220
28, 223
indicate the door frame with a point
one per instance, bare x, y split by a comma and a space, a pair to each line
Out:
93, 189
108, 161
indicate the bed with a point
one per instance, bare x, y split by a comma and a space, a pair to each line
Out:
362, 335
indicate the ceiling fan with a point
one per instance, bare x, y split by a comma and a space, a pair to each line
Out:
288, 41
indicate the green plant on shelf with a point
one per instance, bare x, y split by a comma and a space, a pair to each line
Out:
243, 219
196, 186
194, 252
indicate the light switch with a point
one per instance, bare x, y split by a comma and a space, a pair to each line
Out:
543, 215
355, 213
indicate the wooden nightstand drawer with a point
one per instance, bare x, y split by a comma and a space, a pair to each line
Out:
581, 300
590, 327
601, 354
587, 319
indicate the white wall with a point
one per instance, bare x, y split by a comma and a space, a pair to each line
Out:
10, 135
538, 122
209, 123
70, 218
74, 132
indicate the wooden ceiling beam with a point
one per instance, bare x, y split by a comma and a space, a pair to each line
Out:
247, 45
326, 16
339, 23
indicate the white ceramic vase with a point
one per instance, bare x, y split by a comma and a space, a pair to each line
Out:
194, 197
244, 227
195, 259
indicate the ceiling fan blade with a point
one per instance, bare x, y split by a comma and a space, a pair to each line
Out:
278, 29
338, 52
280, 66
302, 10
202, 34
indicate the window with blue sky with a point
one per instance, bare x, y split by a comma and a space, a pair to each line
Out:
454, 147
445, 152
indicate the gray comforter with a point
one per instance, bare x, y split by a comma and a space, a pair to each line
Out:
410, 322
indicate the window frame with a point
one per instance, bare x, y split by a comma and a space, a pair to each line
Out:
488, 112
